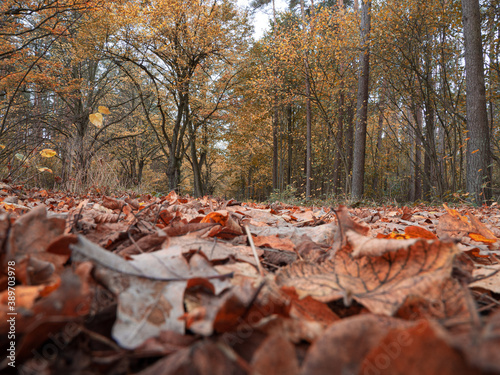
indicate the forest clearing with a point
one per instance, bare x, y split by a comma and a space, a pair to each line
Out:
180, 196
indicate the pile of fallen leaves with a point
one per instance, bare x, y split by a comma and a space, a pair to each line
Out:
173, 285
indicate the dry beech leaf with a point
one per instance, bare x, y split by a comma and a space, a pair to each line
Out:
342, 347
346, 223
275, 356
309, 309
214, 251
381, 281
148, 301
274, 242
455, 225
481, 238
322, 234
205, 357
25, 297
33, 232
481, 348
414, 231
44, 169
216, 217
402, 348
112, 203
68, 304
106, 218
490, 278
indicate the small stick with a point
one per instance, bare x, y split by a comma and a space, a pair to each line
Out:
250, 240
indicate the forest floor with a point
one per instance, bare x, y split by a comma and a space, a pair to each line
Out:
172, 285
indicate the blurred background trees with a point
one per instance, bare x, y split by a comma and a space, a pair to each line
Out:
176, 94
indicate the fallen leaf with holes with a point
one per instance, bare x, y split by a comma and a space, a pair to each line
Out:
150, 288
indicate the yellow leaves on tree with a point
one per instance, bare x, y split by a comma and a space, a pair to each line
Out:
48, 153
96, 119
45, 169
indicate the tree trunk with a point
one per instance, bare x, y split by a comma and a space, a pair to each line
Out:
417, 182
197, 183
349, 144
477, 180
308, 113
290, 144
275, 144
358, 172
378, 146
337, 163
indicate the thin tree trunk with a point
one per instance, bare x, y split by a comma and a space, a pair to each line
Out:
275, 144
358, 173
378, 146
308, 112
337, 163
349, 142
290, 144
418, 157
478, 153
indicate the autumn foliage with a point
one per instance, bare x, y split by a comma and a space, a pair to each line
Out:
172, 284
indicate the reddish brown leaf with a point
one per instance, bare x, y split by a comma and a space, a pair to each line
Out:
414, 231
276, 356
381, 281
33, 232
403, 348
341, 349
203, 358
112, 203
274, 242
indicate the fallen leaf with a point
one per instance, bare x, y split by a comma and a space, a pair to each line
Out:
275, 356
150, 289
380, 274
490, 278
274, 242
344, 345
402, 348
